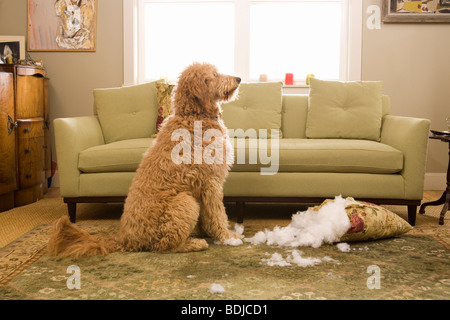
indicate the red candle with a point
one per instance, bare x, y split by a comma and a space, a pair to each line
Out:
289, 79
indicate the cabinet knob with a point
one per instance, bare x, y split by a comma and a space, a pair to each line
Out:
28, 176
28, 150
27, 130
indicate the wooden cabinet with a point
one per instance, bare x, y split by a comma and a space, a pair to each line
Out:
8, 181
25, 155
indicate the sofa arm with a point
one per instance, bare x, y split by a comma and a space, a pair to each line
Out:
73, 135
409, 135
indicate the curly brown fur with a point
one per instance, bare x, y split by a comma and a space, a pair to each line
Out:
68, 240
166, 201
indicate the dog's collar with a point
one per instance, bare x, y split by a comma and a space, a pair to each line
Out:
200, 116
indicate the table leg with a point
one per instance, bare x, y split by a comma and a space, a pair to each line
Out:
441, 200
444, 209
444, 199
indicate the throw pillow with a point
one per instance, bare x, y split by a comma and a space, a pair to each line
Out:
344, 110
164, 93
258, 106
370, 221
127, 112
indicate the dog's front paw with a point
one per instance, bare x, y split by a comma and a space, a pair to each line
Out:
231, 238
233, 241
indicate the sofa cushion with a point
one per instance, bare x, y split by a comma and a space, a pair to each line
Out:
295, 155
319, 155
295, 111
258, 106
127, 112
120, 156
348, 110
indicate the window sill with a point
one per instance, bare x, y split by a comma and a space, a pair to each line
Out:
286, 86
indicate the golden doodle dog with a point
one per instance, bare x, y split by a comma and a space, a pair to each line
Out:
179, 183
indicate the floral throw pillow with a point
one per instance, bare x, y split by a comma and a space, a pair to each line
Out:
370, 222
164, 97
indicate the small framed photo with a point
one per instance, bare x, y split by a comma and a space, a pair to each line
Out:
413, 11
12, 46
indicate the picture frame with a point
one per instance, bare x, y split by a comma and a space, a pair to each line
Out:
413, 11
12, 45
62, 25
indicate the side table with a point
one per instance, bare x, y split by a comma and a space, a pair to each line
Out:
445, 198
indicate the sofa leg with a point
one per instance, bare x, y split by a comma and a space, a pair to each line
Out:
240, 206
72, 208
412, 210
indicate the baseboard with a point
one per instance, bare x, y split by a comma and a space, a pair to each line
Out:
435, 181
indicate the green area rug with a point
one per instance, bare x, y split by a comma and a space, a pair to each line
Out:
414, 266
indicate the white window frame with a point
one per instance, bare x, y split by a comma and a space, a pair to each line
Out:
132, 20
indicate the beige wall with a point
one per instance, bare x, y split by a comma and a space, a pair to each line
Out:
73, 75
411, 60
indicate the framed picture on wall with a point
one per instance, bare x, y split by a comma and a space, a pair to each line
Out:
12, 46
62, 25
416, 11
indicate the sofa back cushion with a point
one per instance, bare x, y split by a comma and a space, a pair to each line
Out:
346, 110
127, 112
258, 106
295, 112
293, 115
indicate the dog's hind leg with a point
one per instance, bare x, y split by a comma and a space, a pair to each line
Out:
177, 224
192, 244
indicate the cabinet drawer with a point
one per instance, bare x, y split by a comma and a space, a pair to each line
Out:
31, 174
30, 128
31, 150
30, 96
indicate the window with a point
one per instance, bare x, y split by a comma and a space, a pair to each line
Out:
296, 37
243, 37
176, 34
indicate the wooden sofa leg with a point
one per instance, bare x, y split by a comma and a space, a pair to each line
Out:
240, 206
412, 210
72, 208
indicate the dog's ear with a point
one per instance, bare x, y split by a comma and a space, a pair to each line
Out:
189, 93
198, 88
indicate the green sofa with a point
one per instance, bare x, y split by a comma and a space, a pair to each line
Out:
98, 155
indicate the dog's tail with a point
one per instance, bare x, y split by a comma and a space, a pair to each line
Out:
69, 240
